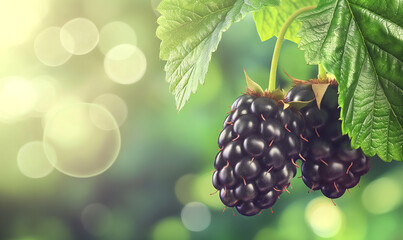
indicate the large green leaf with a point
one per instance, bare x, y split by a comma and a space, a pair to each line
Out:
270, 19
361, 43
190, 31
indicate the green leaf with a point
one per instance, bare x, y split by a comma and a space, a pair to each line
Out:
269, 20
361, 43
190, 31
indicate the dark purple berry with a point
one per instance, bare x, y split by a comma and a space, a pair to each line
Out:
311, 184
267, 199
310, 170
265, 106
259, 145
332, 169
300, 93
226, 136
241, 110
265, 181
360, 165
272, 130
315, 118
246, 125
227, 121
246, 192
292, 121
333, 190
293, 144
247, 169
332, 131
255, 145
331, 164
320, 149
216, 182
226, 176
219, 161
346, 153
233, 151
285, 175
245, 100
329, 100
349, 180
275, 157
248, 209
227, 197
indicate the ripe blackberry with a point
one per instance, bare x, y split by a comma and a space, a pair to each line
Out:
258, 145
330, 163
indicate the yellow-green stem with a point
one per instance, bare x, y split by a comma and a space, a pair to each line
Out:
279, 42
321, 73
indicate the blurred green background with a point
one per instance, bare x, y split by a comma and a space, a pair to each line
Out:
92, 146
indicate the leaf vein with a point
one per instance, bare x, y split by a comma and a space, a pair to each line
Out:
376, 45
374, 13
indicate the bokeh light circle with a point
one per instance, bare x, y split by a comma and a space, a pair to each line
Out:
102, 13
202, 188
170, 228
48, 48
47, 93
125, 64
382, 195
115, 33
183, 188
76, 145
97, 219
324, 218
32, 161
196, 216
63, 100
79, 36
17, 28
115, 105
17, 98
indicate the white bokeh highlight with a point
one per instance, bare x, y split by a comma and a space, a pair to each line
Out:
63, 100
48, 48
382, 195
196, 216
75, 144
18, 97
18, 28
323, 217
115, 105
32, 161
125, 64
79, 36
46, 87
114, 34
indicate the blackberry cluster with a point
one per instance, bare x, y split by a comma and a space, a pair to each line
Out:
258, 145
331, 165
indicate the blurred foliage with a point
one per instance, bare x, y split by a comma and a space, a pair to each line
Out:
141, 194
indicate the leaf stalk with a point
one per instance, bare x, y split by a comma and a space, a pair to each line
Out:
321, 73
279, 42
